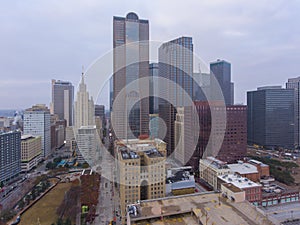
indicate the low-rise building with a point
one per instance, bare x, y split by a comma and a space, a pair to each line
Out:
245, 170
180, 181
31, 152
210, 168
263, 169
232, 192
253, 191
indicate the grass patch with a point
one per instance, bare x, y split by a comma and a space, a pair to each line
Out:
45, 208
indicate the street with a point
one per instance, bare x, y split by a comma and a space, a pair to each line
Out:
108, 205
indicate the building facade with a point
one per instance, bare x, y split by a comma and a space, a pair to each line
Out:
175, 63
270, 116
209, 170
31, 152
62, 100
253, 191
185, 137
234, 146
140, 170
130, 62
88, 143
10, 155
37, 123
228, 143
294, 83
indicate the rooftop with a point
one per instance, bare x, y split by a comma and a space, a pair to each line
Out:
153, 153
238, 181
242, 168
215, 163
128, 154
256, 162
26, 136
180, 176
201, 206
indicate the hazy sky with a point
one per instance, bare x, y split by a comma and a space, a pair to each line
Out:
41, 40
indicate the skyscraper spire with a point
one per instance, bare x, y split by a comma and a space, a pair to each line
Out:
82, 75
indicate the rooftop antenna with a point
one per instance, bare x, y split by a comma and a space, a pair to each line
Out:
82, 74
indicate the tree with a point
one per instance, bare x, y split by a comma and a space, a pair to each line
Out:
57, 160
50, 165
85, 165
68, 222
59, 221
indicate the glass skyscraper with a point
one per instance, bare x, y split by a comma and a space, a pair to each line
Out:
176, 65
130, 62
270, 117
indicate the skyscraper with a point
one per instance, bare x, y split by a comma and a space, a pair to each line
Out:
84, 109
222, 71
62, 100
270, 116
294, 83
176, 65
37, 123
10, 155
130, 62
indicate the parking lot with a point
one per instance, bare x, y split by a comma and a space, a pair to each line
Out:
283, 212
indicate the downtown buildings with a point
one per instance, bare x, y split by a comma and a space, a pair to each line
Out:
141, 171
10, 155
175, 63
85, 132
271, 117
84, 109
31, 151
130, 63
37, 123
222, 72
62, 100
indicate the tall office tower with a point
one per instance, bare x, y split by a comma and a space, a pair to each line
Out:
84, 109
222, 71
10, 155
62, 100
294, 83
175, 64
153, 89
37, 123
141, 170
130, 62
270, 117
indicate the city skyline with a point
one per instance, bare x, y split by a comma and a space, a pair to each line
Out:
258, 43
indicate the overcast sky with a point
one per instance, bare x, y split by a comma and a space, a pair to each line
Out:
41, 40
